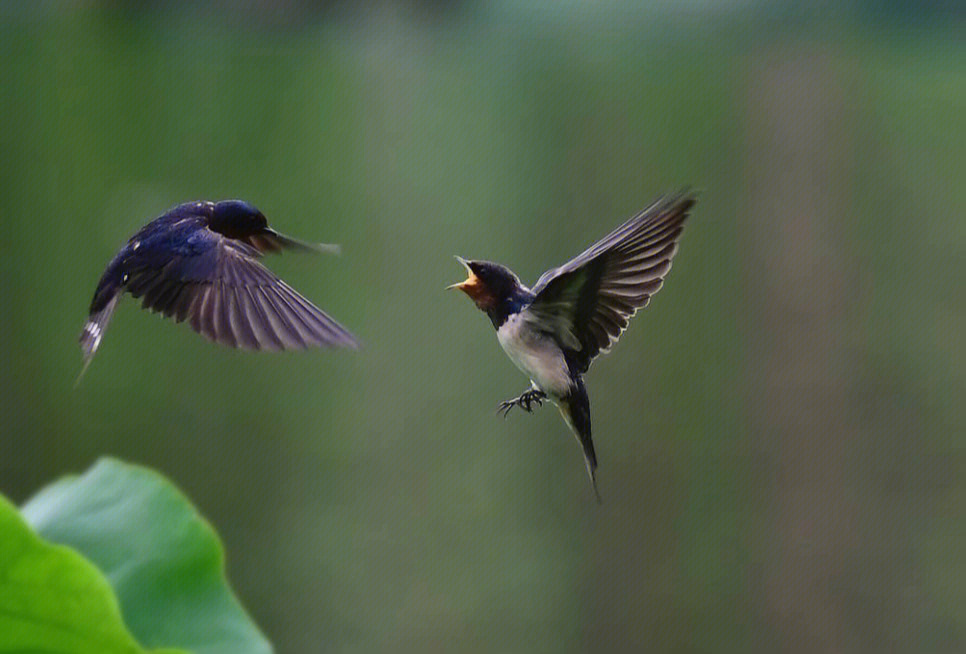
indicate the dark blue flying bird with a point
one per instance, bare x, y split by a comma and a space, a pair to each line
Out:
199, 262
555, 330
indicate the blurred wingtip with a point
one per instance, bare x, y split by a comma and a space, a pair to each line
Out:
87, 363
271, 240
687, 196
329, 248
350, 342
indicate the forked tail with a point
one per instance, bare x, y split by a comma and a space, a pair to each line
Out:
575, 409
90, 337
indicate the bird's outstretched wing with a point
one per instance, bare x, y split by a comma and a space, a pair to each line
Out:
225, 294
587, 302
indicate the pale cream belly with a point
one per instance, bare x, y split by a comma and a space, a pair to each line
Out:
536, 355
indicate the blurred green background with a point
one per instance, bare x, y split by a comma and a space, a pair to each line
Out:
781, 433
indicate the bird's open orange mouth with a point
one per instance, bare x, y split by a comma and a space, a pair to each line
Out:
471, 281
472, 285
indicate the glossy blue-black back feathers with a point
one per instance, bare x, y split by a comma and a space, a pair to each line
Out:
199, 262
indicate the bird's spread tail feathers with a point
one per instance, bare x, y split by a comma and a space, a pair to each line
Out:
575, 409
90, 337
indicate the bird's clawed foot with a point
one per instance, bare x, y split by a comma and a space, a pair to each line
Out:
525, 401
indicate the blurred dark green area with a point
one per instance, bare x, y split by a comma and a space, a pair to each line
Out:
781, 433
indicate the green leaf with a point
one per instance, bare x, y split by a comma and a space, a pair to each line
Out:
52, 599
163, 560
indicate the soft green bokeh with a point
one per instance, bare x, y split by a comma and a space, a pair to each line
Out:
52, 599
162, 559
780, 432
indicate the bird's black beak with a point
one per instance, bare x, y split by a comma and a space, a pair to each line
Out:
471, 284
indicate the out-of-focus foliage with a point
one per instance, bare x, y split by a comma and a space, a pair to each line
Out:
52, 599
162, 559
779, 432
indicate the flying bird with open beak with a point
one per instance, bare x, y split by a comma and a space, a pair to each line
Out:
200, 262
573, 313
